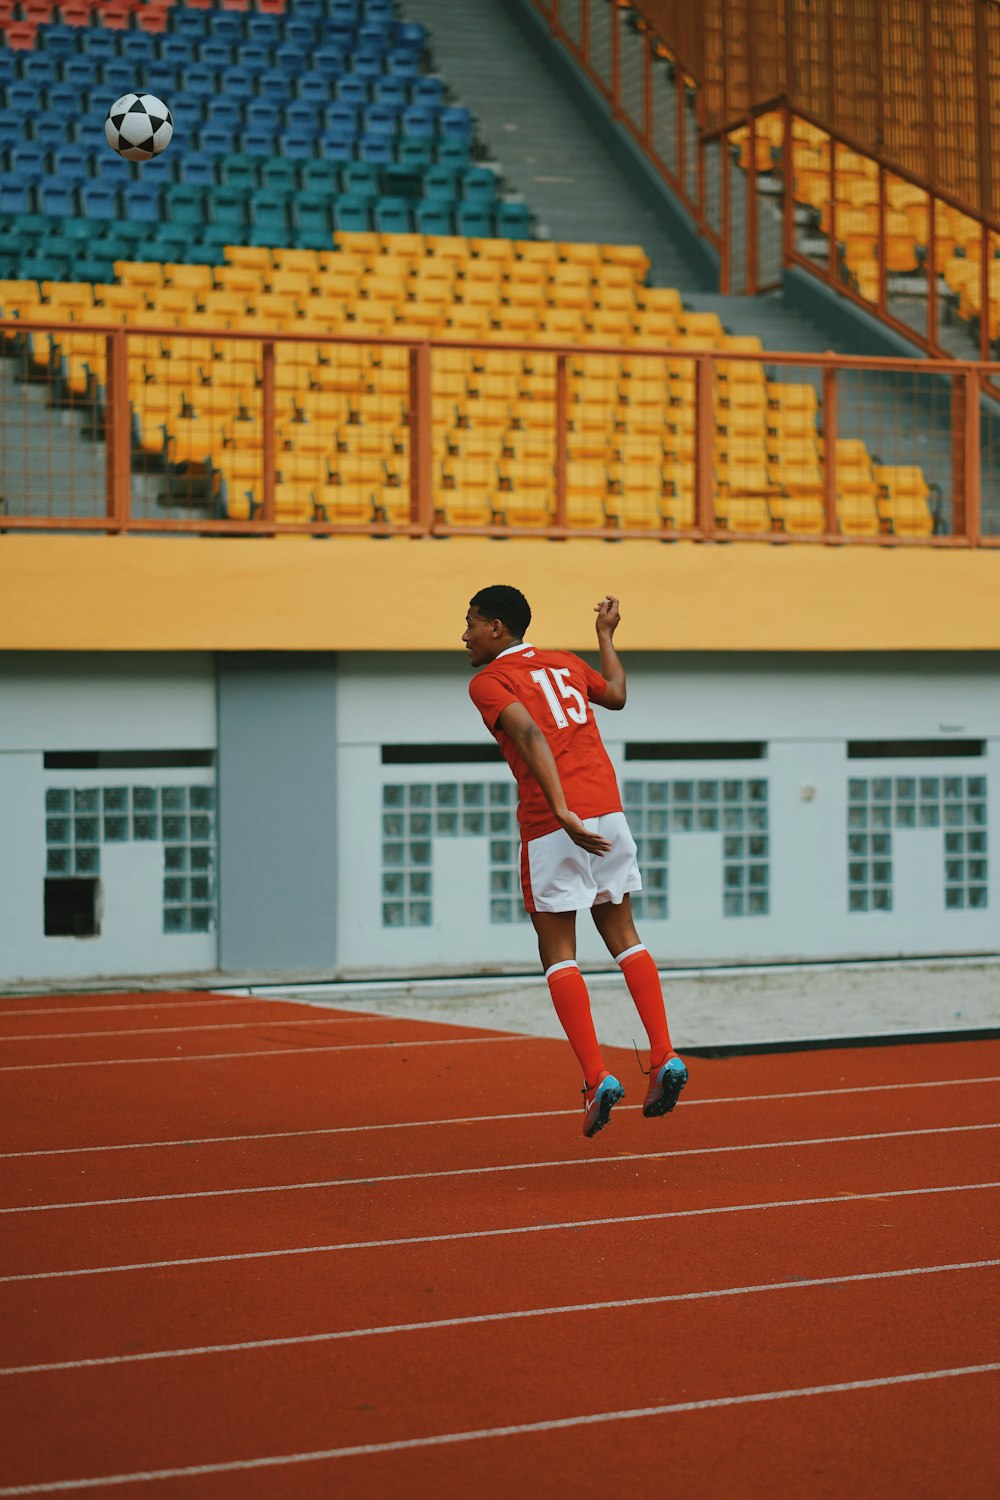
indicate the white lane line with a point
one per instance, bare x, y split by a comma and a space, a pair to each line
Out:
503, 1317
517, 1166
554, 1424
487, 1234
125, 1062
230, 1001
538, 1114
275, 1022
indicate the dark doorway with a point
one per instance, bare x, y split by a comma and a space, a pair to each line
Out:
71, 908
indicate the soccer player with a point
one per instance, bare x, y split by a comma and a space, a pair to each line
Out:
577, 853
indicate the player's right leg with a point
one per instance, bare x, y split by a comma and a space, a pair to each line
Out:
612, 914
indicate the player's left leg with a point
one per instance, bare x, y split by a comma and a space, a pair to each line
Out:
556, 932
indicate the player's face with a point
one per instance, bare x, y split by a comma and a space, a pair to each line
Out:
479, 638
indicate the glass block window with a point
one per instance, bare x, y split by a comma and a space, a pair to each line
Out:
414, 814
738, 809
80, 820
877, 805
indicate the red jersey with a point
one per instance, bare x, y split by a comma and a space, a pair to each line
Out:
556, 688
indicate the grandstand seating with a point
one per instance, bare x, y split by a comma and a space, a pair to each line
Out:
342, 433
400, 153
351, 198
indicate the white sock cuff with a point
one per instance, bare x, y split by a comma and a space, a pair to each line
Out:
636, 948
567, 963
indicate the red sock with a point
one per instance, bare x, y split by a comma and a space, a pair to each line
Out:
572, 1003
644, 986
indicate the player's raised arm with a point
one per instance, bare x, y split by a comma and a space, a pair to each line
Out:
534, 748
608, 617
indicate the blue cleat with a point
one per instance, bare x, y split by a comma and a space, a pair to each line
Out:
599, 1101
665, 1086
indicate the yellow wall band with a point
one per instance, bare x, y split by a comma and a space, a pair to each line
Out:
100, 593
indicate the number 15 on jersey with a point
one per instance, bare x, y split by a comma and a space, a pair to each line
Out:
552, 681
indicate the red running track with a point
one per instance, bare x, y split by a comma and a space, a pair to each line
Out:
259, 1249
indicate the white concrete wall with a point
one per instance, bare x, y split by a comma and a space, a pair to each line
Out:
804, 709
96, 703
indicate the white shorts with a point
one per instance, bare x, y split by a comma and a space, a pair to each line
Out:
557, 875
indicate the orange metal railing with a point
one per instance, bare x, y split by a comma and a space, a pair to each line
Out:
550, 440
908, 87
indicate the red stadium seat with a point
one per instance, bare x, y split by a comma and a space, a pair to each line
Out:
21, 36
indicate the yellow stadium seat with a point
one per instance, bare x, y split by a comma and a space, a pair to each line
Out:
463, 507
661, 299
857, 514
195, 278
536, 250
525, 474
148, 273
627, 255
258, 257
293, 503
454, 247
303, 468
74, 294
499, 251
903, 495
286, 261
412, 245
361, 241
742, 512
130, 301
802, 513
350, 503
18, 297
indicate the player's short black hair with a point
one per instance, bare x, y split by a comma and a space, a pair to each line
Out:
502, 602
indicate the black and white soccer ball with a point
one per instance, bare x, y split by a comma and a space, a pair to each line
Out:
138, 127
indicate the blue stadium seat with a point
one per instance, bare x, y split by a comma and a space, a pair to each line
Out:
109, 168
392, 216
263, 30
29, 157
288, 58
299, 145
474, 221
341, 118
38, 67
64, 98
215, 53
311, 215
514, 221
278, 175
316, 88
330, 59
367, 67
224, 111
440, 184
116, 76
143, 202
23, 97
320, 177
381, 120
394, 92
352, 214
408, 36
382, 11
230, 208
315, 10
361, 180
343, 12
335, 146
17, 194
175, 51
404, 65
200, 77
189, 23
225, 24
55, 198
302, 116
185, 203
415, 151
378, 149
239, 169
60, 41
434, 218
254, 58
51, 125
265, 114
239, 83
300, 31
79, 71
99, 200
428, 90
197, 167
373, 39
455, 123
455, 154
71, 162
11, 132
269, 211
479, 185
352, 90
256, 141
418, 120
137, 47
216, 138
276, 84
